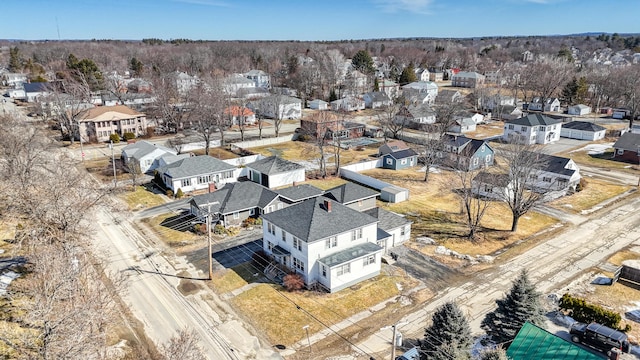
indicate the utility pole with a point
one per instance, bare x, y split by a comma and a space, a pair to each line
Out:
210, 254
113, 161
393, 339
306, 328
81, 148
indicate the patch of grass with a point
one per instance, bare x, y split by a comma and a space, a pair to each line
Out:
265, 306
141, 198
595, 192
325, 184
228, 280
623, 255
604, 160
291, 150
172, 229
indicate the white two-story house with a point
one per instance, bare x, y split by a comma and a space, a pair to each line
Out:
554, 175
329, 244
532, 129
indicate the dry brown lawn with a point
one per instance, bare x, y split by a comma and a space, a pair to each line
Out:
217, 152
436, 212
170, 236
595, 192
604, 160
328, 183
266, 305
297, 150
141, 198
484, 131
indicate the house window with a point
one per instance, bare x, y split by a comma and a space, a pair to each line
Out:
475, 161
270, 246
511, 127
297, 243
482, 148
488, 189
403, 161
280, 205
252, 212
186, 182
324, 271
523, 128
546, 179
542, 128
403, 231
371, 259
620, 151
298, 264
271, 229
236, 215
533, 177
562, 180
284, 236
331, 242
356, 234
487, 159
389, 161
344, 269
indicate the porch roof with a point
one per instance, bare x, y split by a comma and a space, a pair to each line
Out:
279, 250
350, 254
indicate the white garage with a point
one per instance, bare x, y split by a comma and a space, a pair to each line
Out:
582, 130
579, 109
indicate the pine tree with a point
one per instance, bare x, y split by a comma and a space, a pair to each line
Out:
363, 62
408, 75
376, 85
15, 61
520, 305
449, 336
495, 354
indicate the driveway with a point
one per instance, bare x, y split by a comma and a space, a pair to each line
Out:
563, 145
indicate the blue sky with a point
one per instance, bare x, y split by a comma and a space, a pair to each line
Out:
310, 20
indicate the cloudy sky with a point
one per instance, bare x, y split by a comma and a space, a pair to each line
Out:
310, 20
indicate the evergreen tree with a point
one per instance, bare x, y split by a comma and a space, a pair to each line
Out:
496, 354
15, 62
570, 90
408, 75
449, 336
363, 62
520, 305
332, 95
136, 66
376, 85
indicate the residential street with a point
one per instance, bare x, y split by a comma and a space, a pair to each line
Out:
152, 283
550, 264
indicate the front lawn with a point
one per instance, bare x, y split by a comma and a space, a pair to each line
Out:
595, 192
275, 311
141, 198
174, 230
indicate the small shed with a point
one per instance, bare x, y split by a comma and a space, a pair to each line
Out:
579, 109
394, 194
318, 104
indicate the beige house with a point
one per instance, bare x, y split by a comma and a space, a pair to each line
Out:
98, 123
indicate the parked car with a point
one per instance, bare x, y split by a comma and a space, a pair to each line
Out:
599, 337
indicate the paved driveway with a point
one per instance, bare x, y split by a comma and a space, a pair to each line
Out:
563, 145
236, 255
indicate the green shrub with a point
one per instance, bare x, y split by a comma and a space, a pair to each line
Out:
115, 138
179, 194
584, 312
219, 230
128, 136
170, 193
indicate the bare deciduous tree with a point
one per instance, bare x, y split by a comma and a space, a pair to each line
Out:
474, 206
387, 119
183, 346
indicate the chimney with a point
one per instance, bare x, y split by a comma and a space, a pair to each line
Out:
212, 187
327, 205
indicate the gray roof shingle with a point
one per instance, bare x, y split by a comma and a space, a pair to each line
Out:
141, 148
628, 141
194, 166
299, 192
534, 120
554, 164
234, 197
350, 254
402, 154
349, 192
274, 165
310, 221
387, 220
583, 125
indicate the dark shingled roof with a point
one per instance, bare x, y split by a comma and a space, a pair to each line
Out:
493, 179
350, 254
349, 192
554, 164
141, 148
583, 125
274, 165
234, 197
195, 165
462, 142
299, 192
534, 120
387, 220
36, 87
310, 221
628, 141
402, 154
